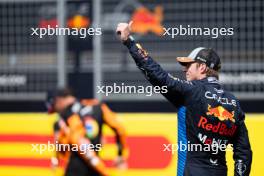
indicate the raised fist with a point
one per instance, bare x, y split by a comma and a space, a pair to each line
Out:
123, 30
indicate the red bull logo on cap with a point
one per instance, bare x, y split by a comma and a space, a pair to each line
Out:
221, 113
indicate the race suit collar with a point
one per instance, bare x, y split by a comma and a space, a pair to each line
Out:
212, 80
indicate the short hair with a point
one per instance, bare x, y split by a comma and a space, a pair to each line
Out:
210, 72
52, 95
60, 92
63, 92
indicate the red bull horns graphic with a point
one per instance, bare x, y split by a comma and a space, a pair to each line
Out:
146, 21
221, 113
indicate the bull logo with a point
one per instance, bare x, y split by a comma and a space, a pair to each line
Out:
144, 21
221, 113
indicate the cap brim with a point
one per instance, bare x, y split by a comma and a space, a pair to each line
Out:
184, 59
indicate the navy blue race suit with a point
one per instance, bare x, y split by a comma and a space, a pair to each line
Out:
207, 115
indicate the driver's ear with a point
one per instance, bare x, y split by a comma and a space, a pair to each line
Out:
203, 68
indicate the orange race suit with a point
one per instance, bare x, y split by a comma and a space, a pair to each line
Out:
80, 126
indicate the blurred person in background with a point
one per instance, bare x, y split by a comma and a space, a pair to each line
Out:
207, 114
80, 124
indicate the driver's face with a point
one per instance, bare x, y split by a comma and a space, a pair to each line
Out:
59, 104
191, 71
